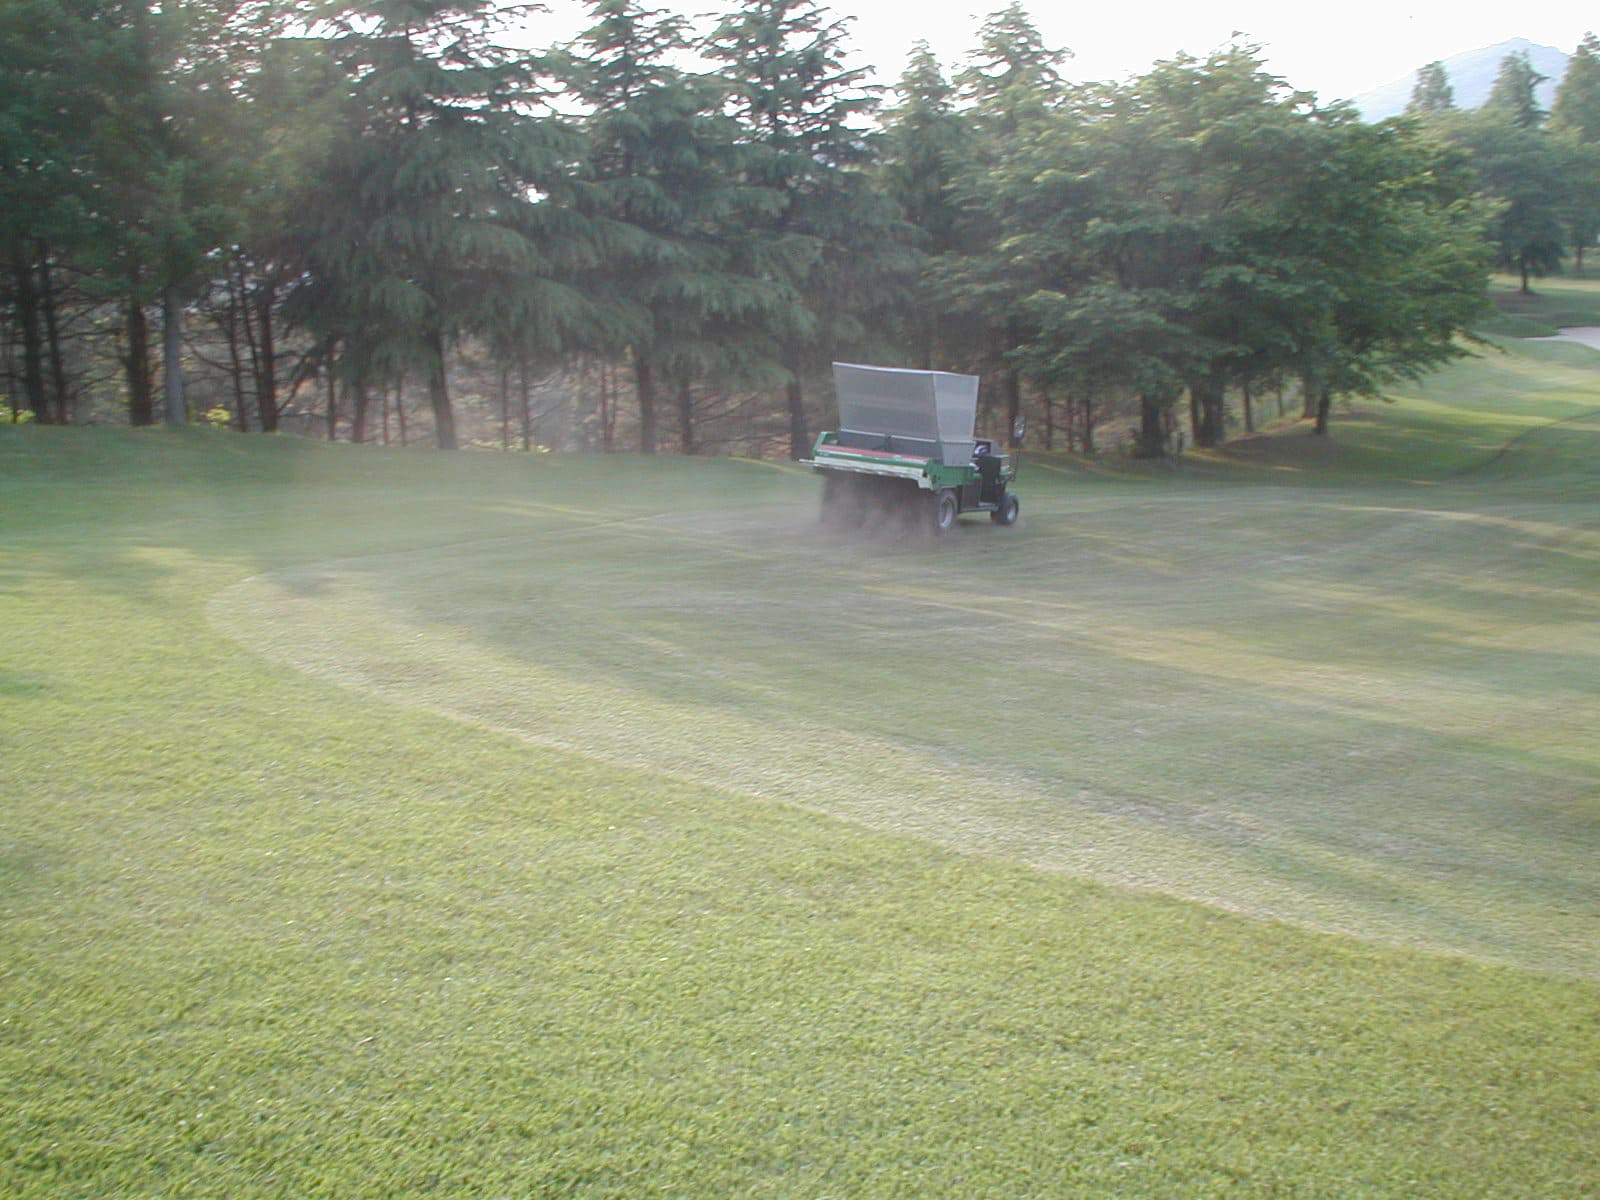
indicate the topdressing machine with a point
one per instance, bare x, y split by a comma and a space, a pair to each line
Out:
905, 447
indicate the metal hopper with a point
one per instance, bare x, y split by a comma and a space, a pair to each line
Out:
929, 413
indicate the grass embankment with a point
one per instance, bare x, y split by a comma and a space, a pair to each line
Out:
380, 823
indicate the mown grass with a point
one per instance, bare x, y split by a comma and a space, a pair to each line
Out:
378, 823
1553, 303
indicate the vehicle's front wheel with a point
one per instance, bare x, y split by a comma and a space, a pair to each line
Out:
1008, 511
945, 509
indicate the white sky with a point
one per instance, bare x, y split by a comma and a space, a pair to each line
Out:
1360, 45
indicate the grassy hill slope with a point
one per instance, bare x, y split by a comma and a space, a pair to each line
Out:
383, 823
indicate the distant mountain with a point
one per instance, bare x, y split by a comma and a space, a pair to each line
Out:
1471, 76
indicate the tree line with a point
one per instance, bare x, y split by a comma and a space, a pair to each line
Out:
1541, 169
379, 219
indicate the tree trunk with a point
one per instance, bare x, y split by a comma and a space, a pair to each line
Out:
1522, 263
400, 408
527, 405
609, 400
47, 305
1088, 424
136, 366
1213, 401
1152, 441
333, 402
1309, 387
362, 401
505, 407
176, 411
444, 415
240, 323
1013, 387
1249, 412
8, 378
686, 417
238, 316
26, 302
267, 367
644, 383
1324, 403
799, 433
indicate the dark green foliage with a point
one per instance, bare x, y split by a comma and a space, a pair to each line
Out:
1524, 172
1432, 91
1205, 228
662, 185
1575, 115
1012, 79
1014, 97
1513, 94
350, 196
432, 217
926, 147
830, 236
1388, 247
1577, 104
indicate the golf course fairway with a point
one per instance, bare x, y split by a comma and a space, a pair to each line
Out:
383, 823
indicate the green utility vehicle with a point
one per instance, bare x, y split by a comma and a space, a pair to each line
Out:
905, 449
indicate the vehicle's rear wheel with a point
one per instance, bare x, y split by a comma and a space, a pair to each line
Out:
945, 509
1008, 511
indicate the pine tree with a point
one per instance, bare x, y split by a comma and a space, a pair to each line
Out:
926, 145
284, 118
829, 236
43, 117
1012, 78
1575, 116
1013, 96
1577, 104
1432, 92
660, 184
1514, 92
437, 212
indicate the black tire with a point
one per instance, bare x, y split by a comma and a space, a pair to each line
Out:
945, 509
1008, 511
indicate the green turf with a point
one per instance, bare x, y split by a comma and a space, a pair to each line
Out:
1551, 304
380, 823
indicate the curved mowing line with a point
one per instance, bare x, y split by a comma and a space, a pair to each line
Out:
337, 621
1510, 446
